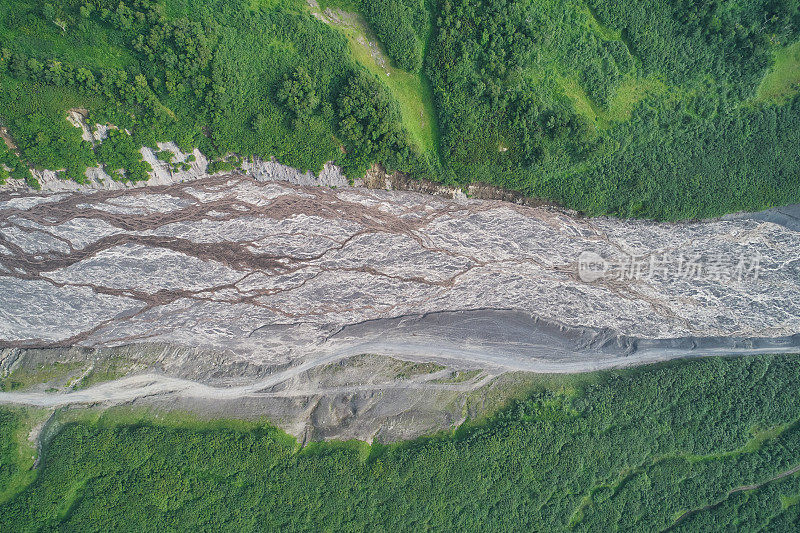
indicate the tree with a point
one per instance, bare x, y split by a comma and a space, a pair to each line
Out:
49, 11
369, 122
299, 93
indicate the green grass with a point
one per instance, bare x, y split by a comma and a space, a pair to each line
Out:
583, 104
460, 376
628, 94
23, 378
103, 372
790, 501
783, 79
599, 28
411, 91
95, 46
73, 375
409, 369
346, 5
17, 452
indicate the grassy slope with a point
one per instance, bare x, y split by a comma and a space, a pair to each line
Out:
411, 91
783, 79
631, 91
662, 99
634, 450
17, 451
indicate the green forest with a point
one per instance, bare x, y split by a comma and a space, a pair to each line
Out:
658, 108
225, 77
694, 445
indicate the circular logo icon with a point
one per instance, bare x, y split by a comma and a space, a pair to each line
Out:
591, 267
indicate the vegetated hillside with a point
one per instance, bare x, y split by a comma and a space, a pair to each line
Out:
630, 107
403, 26
703, 445
657, 108
253, 78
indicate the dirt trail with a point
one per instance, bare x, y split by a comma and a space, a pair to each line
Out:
744, 488
497, 359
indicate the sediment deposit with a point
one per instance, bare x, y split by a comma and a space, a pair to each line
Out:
244, 285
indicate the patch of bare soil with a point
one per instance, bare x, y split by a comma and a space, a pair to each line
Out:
8, 140
378, 178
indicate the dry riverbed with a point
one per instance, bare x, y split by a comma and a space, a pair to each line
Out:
242, 295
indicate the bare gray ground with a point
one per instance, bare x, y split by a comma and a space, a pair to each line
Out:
245, 286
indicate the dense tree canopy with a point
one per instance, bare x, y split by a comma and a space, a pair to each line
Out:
369, 122
401, 26
629, 108
705, 445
